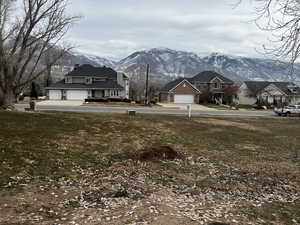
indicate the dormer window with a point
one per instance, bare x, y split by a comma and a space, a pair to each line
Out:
68, 80
292, 88
88, 80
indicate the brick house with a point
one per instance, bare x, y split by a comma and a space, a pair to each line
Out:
190, 90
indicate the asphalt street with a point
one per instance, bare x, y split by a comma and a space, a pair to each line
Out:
105, 109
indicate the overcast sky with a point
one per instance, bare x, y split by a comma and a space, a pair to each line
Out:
117, 28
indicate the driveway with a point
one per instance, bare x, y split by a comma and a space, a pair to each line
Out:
184, 106
59, 103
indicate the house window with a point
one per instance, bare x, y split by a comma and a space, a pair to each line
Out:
88, 80
68, 80
216, 85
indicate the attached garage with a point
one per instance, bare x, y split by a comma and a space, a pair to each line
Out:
183, 99
77, 94
55, 94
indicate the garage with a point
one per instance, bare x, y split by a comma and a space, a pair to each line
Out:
184, 99
55, 94
77, 94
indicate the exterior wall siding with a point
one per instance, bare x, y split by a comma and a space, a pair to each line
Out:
183, 89
243, 96
164, 97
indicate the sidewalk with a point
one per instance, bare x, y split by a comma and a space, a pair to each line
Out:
184, 106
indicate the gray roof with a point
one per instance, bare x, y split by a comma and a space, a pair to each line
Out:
108, 84
172, 84
204, 77
87, 70
207, 76
256, 86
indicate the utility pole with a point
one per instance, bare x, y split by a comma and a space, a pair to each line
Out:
147, 84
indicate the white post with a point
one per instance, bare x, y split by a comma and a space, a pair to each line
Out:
189, 109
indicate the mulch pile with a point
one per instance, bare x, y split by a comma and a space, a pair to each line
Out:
161, 153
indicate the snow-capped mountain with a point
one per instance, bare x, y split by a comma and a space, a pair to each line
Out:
73, 58
244, 68
167, 64
95, 60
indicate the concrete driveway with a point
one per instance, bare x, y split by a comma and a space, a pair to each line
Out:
184, 106
59, 103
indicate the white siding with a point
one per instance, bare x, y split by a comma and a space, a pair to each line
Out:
243, 96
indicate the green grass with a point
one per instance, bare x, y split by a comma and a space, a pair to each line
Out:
43, 146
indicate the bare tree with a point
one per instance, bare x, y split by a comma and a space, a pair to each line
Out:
281, 18
28, 32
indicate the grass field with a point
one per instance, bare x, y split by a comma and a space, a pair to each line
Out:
81, 168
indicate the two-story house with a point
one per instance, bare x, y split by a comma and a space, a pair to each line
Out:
190, 90
87, 81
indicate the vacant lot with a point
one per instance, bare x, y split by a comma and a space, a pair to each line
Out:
76, 168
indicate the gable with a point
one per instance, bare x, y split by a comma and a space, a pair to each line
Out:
185, 87
216, 80
272, 90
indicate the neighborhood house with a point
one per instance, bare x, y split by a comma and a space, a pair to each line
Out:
190, 90
269, 93
88, 82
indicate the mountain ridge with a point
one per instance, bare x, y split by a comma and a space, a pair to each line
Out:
167, 64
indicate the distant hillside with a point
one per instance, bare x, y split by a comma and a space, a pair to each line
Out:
167, 64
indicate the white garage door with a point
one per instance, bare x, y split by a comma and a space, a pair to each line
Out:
55, 94
77, 94
184, 99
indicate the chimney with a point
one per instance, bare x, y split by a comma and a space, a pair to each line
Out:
76, 66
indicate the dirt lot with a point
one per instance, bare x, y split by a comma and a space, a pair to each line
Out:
88, 168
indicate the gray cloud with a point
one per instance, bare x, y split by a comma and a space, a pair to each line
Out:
117, 28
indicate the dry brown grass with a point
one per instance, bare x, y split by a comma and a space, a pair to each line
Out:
64, 167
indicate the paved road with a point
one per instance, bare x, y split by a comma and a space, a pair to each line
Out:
148, 110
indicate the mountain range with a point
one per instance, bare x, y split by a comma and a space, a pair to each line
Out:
167, 64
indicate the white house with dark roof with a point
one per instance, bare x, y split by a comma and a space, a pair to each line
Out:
87, 81
272, 93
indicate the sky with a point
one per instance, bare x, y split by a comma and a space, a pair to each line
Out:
117, 28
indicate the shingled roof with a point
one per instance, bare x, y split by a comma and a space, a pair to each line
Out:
172, 84
256, 86
87, 70
284, 86
203, 77
207, 76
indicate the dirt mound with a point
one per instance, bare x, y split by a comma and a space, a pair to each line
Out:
218, 223
160, 153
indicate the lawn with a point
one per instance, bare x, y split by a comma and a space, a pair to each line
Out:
93, 168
